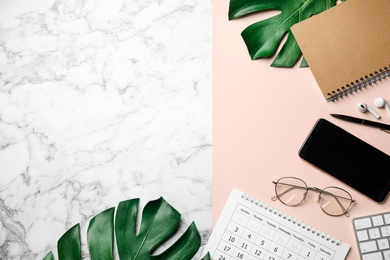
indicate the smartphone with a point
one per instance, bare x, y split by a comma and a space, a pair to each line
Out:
348, 158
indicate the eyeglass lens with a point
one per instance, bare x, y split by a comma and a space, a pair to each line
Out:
335, 201
291, 191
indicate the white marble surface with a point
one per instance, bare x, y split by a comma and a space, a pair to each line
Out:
101, 101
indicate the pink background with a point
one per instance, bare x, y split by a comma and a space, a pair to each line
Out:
262, 115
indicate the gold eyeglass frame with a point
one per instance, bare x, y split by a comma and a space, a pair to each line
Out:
345, 211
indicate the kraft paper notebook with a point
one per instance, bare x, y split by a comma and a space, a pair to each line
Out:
347, 46
249, 229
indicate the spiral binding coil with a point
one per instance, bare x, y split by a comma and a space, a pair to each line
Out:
291, 219
362, 83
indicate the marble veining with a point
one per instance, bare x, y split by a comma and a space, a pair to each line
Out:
101, 101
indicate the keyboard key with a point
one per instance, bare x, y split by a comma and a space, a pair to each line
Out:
374, 233
363, 223
377, 220
369, 246
362, 235
386, 254
385, 231
387, 218
383, 243
373, 256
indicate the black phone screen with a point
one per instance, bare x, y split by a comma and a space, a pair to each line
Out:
348, 158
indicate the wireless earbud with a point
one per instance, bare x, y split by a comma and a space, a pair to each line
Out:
381, 102
363, 107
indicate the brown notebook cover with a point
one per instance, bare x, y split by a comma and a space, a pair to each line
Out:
348, 46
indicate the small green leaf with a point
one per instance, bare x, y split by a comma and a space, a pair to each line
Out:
206, 257
264, 37
49, 256
304, 63
100, 235
69, 245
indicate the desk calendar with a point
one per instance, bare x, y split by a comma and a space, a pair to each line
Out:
251, 230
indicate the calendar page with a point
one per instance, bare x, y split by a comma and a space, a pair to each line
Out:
251, 230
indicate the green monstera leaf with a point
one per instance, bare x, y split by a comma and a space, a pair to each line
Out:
264, 37
160, 221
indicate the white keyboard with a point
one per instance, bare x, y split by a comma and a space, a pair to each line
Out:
373, 236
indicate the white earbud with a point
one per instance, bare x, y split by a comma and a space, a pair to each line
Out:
381, 102
363, 107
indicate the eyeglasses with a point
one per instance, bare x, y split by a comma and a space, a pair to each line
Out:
333, 201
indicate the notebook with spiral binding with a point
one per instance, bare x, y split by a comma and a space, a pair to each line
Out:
347, 46
251, 230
